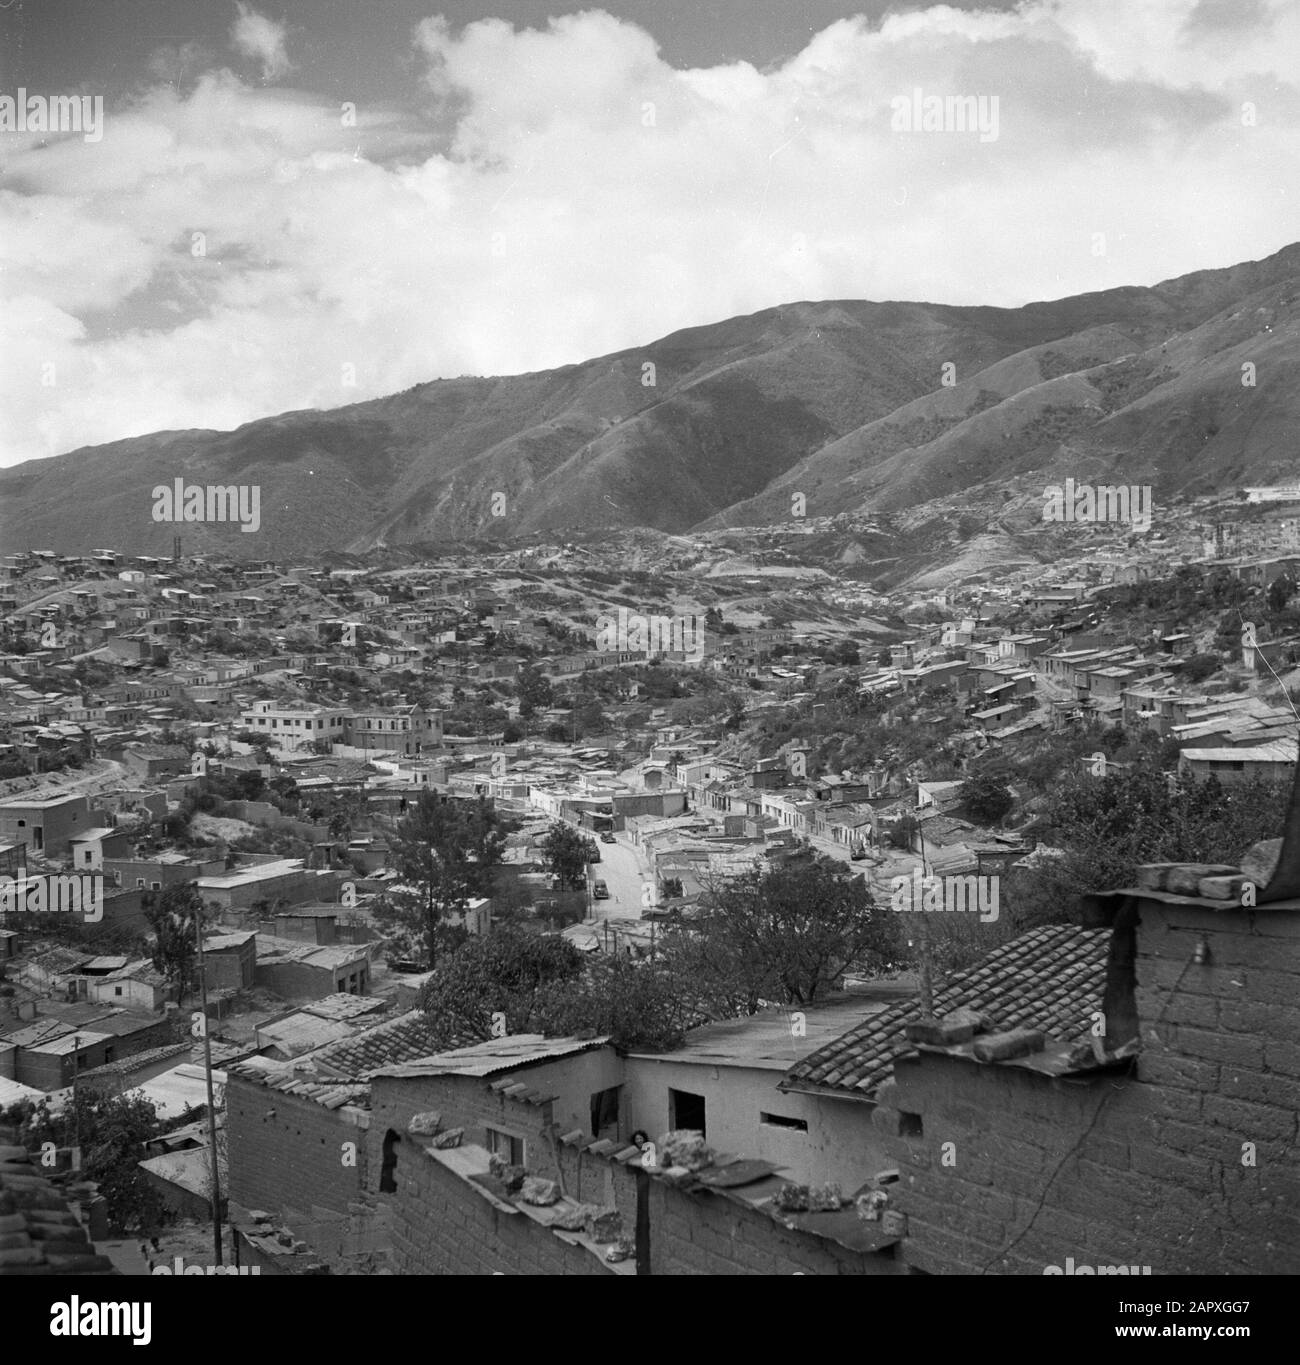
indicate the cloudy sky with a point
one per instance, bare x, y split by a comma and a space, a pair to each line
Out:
308, 203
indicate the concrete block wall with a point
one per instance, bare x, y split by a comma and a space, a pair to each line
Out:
464, 1102
294, 1160
1187, 1163
705, 1234
442, 1227
300, 980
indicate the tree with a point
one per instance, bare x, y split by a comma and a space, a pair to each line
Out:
173, 915
634, 1004
111, 1131
446, 851
1197, 667
1280, 591
785, 934
900, 836
587, 717
845, 652
534, 689
565, 852
1109, 826
986, 798
501, 972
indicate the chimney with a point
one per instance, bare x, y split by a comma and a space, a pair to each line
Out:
1204, 965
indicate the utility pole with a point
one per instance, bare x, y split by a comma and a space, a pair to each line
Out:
76, 1109
215, 1174
923, 940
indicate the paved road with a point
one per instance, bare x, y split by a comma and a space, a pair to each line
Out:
623, 869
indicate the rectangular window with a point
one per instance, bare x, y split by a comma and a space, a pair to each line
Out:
686, 1110
508, 1148
781, 1121
117, 990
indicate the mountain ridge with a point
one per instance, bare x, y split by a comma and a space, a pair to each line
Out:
861, 406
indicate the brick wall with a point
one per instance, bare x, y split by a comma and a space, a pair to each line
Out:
51, 1071
442, 1227
223, 971
294, 1160
300, 980
464, 1102
697, 1233
1148, 1168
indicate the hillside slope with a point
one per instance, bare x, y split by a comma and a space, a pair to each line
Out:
718, 425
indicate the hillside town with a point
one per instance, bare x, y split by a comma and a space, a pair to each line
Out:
363, 885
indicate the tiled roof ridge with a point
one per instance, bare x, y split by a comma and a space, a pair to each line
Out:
137, 1061
39, 1233
862, 1057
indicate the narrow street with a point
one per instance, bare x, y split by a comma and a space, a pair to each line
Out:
623, 870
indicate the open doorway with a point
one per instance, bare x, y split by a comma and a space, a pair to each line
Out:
686, 1110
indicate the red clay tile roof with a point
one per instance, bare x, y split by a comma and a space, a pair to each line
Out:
39, 1234
1050, 978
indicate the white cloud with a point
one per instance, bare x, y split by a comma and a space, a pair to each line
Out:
256, 36
593, 198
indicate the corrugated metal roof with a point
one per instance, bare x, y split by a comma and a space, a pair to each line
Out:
301, 1033
42, 1031
191, 1170
72, 1041
343, 1006
767, 1039
495, 1054
11, 1092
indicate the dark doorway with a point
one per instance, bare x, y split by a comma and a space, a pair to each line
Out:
686, 1110
388, 1170
604, 1112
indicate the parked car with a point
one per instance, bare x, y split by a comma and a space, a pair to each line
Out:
599, 890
